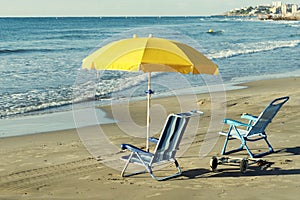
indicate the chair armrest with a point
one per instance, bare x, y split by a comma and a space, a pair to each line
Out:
249, 117
235, 123
153, 140
134, 149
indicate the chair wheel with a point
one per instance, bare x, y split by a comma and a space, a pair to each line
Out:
213, 163
244, 165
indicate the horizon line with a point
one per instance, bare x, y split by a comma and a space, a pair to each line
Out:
53, 16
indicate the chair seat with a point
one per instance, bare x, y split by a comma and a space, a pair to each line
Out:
243, 133
134, 159
234, 134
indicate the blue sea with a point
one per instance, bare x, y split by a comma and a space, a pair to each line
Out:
40, 61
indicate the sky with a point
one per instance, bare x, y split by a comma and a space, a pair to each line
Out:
124, 7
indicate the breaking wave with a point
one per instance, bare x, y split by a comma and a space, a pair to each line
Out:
248, 48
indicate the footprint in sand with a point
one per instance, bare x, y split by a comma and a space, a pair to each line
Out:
153, 195
24, 164
84, 178
19, 160
231, 104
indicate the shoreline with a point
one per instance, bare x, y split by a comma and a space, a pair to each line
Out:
38, 124
56, 165
64, 120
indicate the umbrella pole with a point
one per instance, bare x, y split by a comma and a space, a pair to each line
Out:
149, 92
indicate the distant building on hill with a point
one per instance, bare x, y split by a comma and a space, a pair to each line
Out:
277, 10
294, 9
283, 9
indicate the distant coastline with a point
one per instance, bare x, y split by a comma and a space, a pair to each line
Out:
272, 17
276, 11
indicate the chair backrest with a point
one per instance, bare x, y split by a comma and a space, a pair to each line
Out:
267, 115
170, 137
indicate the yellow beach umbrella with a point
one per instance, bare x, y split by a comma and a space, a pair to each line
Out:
150, 54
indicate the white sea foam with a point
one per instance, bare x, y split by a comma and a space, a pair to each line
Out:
295, 73
295, 25
236, 49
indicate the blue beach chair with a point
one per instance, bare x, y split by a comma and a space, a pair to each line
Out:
166, 146
254, 130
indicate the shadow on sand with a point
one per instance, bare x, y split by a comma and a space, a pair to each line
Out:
253, 170
292, 151
234, 172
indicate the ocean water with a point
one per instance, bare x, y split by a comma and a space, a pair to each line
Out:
40, 60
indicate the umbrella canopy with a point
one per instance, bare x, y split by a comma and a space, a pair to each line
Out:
150, 54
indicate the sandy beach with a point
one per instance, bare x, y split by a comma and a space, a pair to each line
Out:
56, 165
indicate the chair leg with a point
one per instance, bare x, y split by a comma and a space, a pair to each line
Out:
271, 150
249, 151
269, 145
126, 164
226, 143
224, 146
135, 173
149, 169
179, 172
244, 144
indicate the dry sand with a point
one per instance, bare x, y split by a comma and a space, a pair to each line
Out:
57, 166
